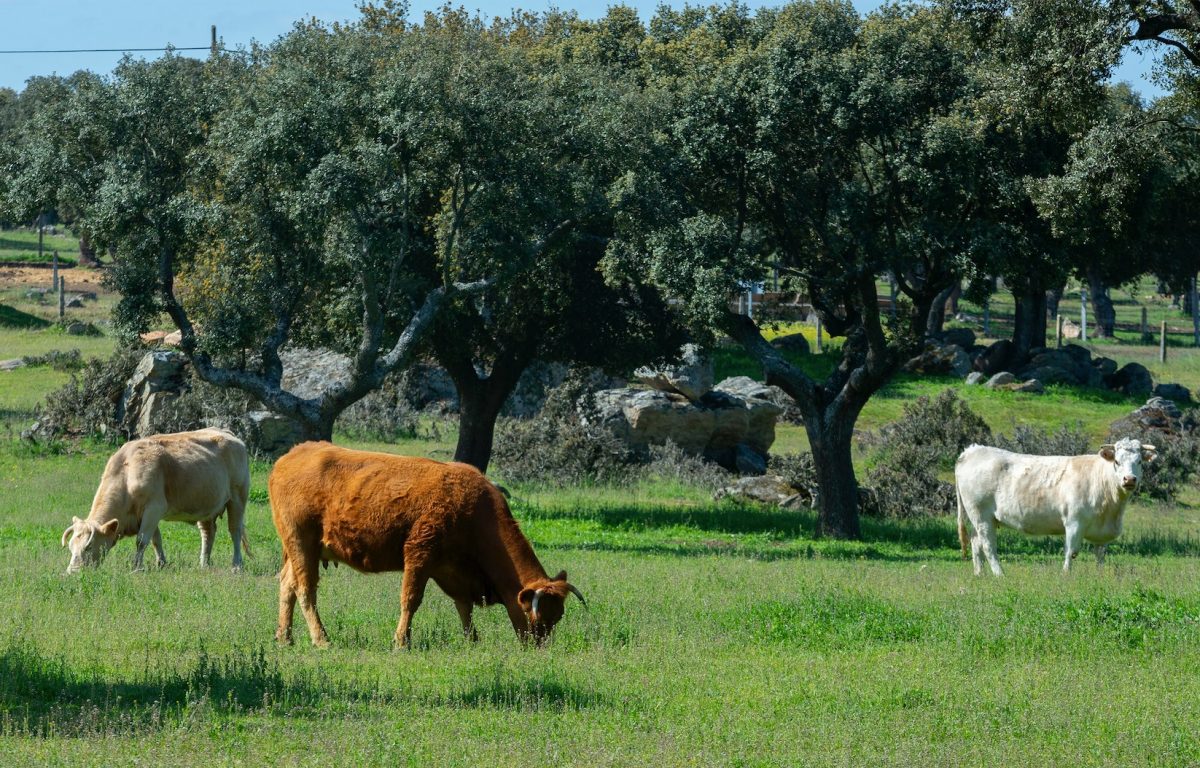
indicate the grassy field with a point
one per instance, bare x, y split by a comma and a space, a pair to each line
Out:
21, 245
717, 634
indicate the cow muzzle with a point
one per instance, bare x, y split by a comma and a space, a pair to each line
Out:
1130, 483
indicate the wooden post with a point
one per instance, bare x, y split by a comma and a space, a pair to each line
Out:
1145, 327
1195, 316
1083, 315
62, 299
820, 344
1162, 342
987, 317
54, 274
1058, 325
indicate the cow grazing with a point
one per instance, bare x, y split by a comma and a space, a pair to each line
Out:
189, 476
378, 512
1080, 497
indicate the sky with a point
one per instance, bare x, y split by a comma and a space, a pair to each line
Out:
125, 24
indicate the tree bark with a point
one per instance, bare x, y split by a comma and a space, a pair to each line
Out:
1053, 297
1029, 321
1106, 314
481, 397
936, 320
830, 434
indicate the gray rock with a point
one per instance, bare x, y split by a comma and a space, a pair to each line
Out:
1132, 379
792, 342
1169, 391
749, 461
764, 489
158, 372
959, 337
311, 372
77, 329
1033, 385
1000, 379
75, 302
747, 388
998, 357
1159, 418
12, 365
271, 433
940, 359
692, 377
1106, 366
975, 377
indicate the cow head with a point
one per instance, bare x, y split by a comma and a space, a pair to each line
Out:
543, 602
1127, 456
89, 542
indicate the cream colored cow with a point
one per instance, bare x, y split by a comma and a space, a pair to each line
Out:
191, 477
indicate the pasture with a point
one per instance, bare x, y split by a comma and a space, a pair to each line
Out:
717, 634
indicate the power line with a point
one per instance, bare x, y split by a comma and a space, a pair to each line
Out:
118, 50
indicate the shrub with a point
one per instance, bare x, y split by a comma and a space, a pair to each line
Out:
797, 470
907, 456
1174, 467
556, 447
671, 462
87, 404
385, 415
1065, 441
57, 359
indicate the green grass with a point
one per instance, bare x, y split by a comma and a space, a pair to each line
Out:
716, 636
21, 245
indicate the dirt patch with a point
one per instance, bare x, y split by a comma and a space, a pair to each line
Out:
77, 278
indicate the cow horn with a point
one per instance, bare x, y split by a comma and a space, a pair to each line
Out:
66, 533
1148, 447
537, 596
578, 594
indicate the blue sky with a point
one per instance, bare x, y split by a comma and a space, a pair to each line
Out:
59, 24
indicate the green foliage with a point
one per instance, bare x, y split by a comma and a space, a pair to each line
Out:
58, 360
87, 405
1067, 440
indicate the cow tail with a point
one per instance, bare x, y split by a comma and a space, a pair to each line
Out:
246, 543
963, 539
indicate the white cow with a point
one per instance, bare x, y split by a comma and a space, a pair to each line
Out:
193, 477
1079, 497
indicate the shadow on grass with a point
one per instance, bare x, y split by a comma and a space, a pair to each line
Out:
44, 698
15, 318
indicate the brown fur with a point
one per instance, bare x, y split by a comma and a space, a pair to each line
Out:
379, 512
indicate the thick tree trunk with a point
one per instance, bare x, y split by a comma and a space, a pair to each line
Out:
1053, 297
1029, 321
935, 321
479, 407
830, 435
1105, 313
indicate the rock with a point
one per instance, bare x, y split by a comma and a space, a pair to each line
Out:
1070, 330
792, 342
940, 359
749, 461
153, 338
271, 433
151, 412
1158, 416
12, 365
1132, 379
975, 377
311, 372
749, 389
1033, 385
78, 329
1070, 365
692, 377
713, 428
998, 357
1168, 391
173, 339
1105, 365
959, 337
75, 302
158, 372
764, 489
1000, 379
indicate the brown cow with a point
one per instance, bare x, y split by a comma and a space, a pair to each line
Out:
379, 512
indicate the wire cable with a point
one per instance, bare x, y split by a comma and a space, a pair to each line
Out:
119, 50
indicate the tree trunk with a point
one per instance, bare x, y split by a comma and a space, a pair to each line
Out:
1053, 297
479, 407
1029, 320
830, 436
935, 321
1106, 314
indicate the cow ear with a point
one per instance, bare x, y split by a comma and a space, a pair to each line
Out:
1149, 454
1108, 452
109, 528
562, 576
525, 598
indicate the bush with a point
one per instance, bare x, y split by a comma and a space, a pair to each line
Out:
1174, 467
385, 415
87, 404
66, 362
557, 448
797, 470
1066, 441
671, 462
908, 455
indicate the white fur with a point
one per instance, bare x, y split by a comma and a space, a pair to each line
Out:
1079, 497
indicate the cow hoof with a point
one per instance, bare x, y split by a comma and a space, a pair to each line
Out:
283, 639
237, 569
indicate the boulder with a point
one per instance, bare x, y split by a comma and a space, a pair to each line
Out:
748, 461
1003, 378
959, 337
153, 338
12, 365
1169, 391
75, 302
763, 489
1033, 385
975, 377
715, 428
160, 372
310, 372
940, 359
1070, 330
1132, 379
1105, 365
998, 357
691, 377
792, 342
1158, 416
173, 339
271, 433
79, 329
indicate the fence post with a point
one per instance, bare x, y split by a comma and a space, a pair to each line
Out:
1162, 342
1083, 315
987, 317
1145, 327
1195, 316
1058, 331
820, 344
54, 274
62, 299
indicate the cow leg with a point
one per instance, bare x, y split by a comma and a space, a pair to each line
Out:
152, 515
208, 530
412, 591
236, 509
520, 622
159, 554
1074, 540
987, 536
977, 553
464, 615
1101, 550
304, 580
287, 603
